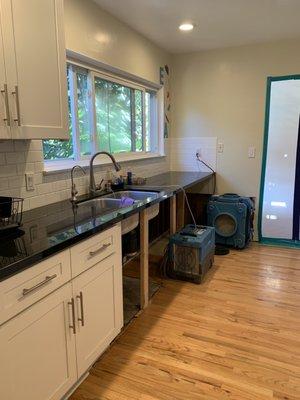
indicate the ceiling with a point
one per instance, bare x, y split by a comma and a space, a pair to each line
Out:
218, 23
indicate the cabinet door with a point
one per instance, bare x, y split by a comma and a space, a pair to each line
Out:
99, 300
5, 132
37, 351
36, 68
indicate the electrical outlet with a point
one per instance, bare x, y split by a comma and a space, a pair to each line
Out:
220, 147
29, 177
251, 152
33, 231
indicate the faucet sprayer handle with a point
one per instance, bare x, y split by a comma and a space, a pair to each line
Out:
99, 186
118, 167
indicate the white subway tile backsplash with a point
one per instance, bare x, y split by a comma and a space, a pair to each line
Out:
65, 194
10, 192
2, 159
38, 178
20, 156
35, 145
52, 197
34, 156
39, 167
37, 201
59, 185
3, 183
22, 168
15, 157
8, 170
28, 193
17, 182
21, 145
183, 153
6, 145
45, 188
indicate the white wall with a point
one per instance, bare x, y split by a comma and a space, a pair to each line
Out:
221, 93
95, 33
92, 32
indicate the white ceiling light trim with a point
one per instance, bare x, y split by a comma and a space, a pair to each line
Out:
185, 27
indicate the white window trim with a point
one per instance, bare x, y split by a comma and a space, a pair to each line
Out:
52, 166
56, 166
84, 61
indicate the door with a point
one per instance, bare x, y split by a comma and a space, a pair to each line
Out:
37, 351
36, 68
5, 132
99, 300
280, 199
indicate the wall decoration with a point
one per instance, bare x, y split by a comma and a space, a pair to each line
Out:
165, 81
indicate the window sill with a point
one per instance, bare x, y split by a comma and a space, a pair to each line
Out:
54, 167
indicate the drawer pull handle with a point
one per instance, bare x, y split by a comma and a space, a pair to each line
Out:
38, 285
73, 325
16, 94
81, 318
7, 115
98, 251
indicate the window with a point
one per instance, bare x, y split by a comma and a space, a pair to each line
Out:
105, 114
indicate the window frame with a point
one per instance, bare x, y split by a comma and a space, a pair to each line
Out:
156, 118
128, 84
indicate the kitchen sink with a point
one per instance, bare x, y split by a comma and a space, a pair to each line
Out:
136, 195
110, 203
102, 205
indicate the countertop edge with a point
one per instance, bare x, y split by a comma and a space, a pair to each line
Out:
28, 262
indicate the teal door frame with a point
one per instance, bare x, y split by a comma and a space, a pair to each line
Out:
265, 240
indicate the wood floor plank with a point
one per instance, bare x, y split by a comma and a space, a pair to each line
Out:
234, 337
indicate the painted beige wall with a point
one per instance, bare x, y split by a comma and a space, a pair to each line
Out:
222, 93
95, 33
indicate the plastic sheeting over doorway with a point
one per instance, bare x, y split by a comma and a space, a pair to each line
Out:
280, 214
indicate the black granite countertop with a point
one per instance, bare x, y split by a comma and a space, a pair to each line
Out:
52, 228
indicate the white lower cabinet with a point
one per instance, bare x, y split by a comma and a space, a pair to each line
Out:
99, 310
37, 350
46, 348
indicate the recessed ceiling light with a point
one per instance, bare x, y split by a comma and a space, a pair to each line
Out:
186, 27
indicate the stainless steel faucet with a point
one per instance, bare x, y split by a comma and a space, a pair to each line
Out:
74, 191
93, 187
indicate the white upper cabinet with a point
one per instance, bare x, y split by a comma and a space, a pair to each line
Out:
5, 132
35, 63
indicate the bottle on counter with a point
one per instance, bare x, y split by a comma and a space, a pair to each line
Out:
129, 178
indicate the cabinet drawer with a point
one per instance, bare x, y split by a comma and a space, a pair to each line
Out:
88, 253
29, 286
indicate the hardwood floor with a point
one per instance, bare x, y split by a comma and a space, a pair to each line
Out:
237, 336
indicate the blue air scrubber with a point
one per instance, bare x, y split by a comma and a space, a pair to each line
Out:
191, 253
232, 217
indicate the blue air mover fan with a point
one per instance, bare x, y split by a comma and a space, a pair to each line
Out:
191, 253
232, 217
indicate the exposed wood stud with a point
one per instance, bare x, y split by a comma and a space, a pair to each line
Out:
180, 200
173, 222
144, 257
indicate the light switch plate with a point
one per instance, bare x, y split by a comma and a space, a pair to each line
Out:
251, 152
29, 177
220, 147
